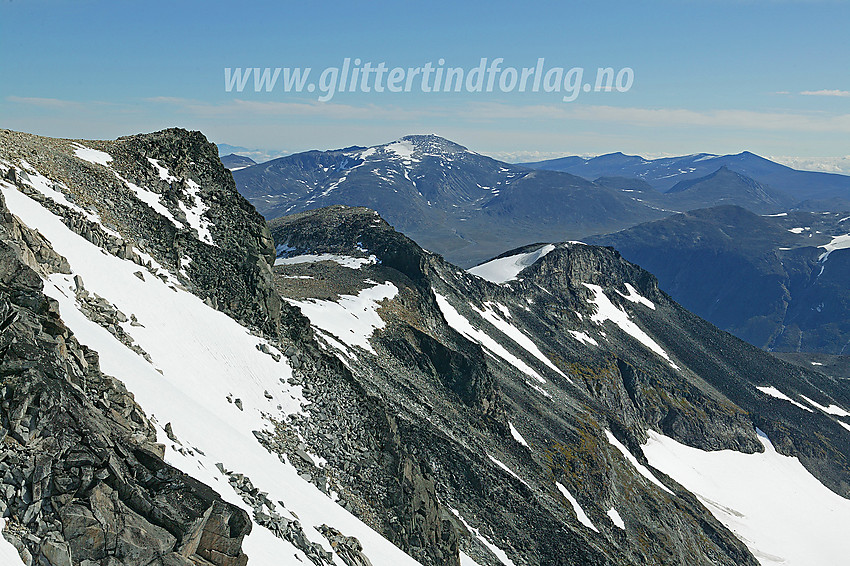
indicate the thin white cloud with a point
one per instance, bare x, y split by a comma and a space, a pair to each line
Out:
823, 164
826, 92
43, 102
312, 108
667, 117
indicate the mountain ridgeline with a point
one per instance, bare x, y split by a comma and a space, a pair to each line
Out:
469, 207
183, 384
461, 204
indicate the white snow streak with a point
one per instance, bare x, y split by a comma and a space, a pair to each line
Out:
642, 470
616, 519
498, 552
343, 260
517, 436
606, 310
580, 514
776, 393
459, 323
514, 333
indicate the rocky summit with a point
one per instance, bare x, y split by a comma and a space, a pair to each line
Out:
183, 384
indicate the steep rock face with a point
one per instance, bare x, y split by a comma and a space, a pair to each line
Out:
164, 202
84, 478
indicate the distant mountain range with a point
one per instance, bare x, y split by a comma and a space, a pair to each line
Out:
235, 162
665, 173
779, 282
258, 155
451, 200
470, 207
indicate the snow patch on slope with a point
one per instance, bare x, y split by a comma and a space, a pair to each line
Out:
92, 155
506, 269
351, 319
463, 326
343, 260
583, 337
515, 333
580, 514
776, 393
151, 199
770, 501
616, 519
832, 409
636, 297
403, 149
8, 553
48, 188
838, 243
517, 436
642, 470
498, 552
503, 466
204, 356
195, 212
606, 310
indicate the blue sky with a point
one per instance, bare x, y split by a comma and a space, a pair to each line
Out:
719, 76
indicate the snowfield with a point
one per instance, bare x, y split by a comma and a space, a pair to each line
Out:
343, 260
506, 269
352, 319
771, 502
92, 155
200, 357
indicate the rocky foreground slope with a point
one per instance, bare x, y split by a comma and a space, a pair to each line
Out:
171, 397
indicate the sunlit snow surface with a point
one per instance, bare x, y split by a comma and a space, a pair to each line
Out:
9, 554
204, 356
838, 243
606, 310
777, 394
506, 269
92, 155
515, 334
343, 260
352, 318
641, 469
498, 552
517, 436
616, 519
770, 501
580, 514
463, 326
